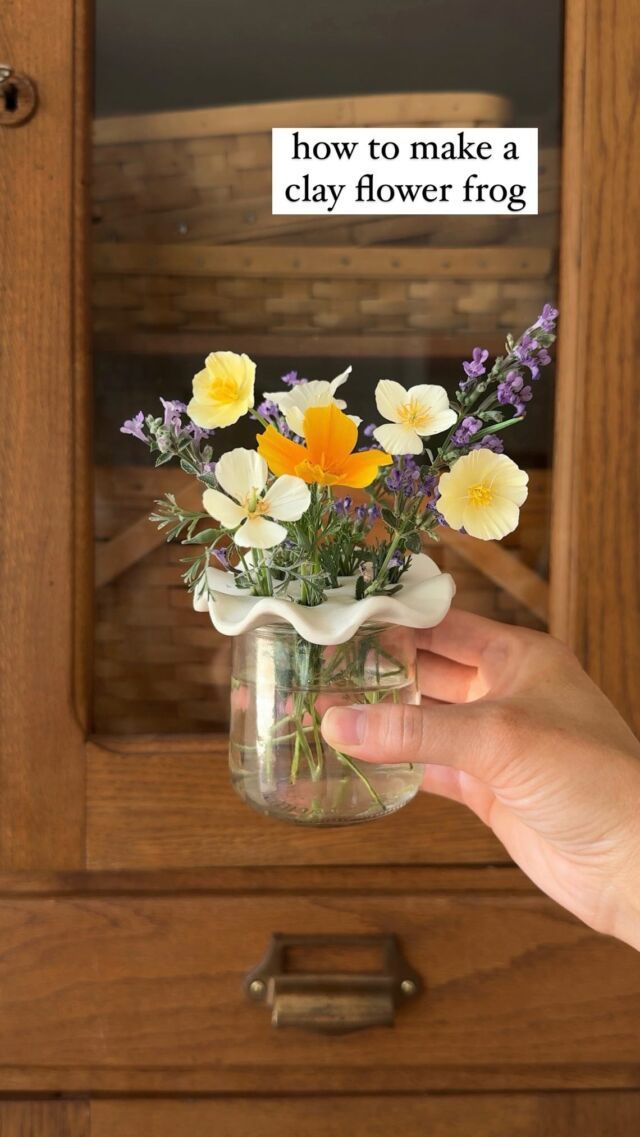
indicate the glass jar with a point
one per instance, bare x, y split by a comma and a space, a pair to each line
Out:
281, 687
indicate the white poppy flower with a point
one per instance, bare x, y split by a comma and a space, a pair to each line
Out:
243, 475
422, 410
317, 393
482, 494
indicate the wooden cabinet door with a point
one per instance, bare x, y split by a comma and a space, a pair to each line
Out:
135, 891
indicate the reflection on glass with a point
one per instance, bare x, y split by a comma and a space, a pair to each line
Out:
188, 258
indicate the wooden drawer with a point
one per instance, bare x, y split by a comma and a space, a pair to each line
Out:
144, 993
507, 1115
488, 1115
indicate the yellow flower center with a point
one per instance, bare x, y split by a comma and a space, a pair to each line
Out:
314, 472
254, 505
223, 390
413, 414
480, 494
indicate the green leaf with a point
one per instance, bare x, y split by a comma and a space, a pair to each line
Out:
499, 426
413, 542
389, 518
205, 537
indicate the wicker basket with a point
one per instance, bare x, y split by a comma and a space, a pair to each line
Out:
161, 667
205, 176
303, 293
187, 247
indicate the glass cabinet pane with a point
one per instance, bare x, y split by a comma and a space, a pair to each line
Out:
188, 259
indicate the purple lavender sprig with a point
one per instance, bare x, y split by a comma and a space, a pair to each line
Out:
465, 432
483, 396
484, 402
135, 427
168, 436
360, 518
409, 480
268, 414
529, 352
474, 367
512, 390
292, 379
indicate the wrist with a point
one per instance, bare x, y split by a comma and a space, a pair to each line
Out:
625, 919
622, 908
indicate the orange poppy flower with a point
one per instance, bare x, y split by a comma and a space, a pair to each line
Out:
327, 458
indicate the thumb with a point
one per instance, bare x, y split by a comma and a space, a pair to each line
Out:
477, 737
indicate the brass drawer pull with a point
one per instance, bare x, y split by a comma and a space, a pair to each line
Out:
332, 1002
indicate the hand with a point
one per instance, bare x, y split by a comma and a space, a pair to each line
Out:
511, 726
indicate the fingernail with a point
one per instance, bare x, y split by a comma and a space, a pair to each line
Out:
344, 726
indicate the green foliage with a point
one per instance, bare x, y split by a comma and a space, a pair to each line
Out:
334, 540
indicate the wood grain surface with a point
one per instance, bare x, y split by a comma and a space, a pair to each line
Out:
596, 536
127, 979
615, 1114
492, 263
167, 802
146, 992
44, 1119
515, 1115
494, 880
45, 553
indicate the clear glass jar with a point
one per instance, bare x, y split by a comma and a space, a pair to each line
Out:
280, 688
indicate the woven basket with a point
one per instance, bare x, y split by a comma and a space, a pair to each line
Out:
187, 247
161, 667
300, 293
205, 176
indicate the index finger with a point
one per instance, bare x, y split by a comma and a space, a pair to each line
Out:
466, 638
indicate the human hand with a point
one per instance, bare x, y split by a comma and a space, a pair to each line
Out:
511, 726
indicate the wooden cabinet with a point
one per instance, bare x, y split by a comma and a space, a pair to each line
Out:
519, 1115
135, 890
144, 992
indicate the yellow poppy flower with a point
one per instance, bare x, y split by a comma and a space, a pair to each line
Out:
327, 459
223, 391
482, 494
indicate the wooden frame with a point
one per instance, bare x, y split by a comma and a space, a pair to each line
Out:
87, 915
594, 588
563, 1115
46, 575
46, 592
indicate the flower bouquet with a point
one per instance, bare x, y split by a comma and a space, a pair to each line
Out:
321, 587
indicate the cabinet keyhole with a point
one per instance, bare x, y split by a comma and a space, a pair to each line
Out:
10, 96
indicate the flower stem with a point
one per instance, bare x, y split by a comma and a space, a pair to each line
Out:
264, 573
379, 579
363, 778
